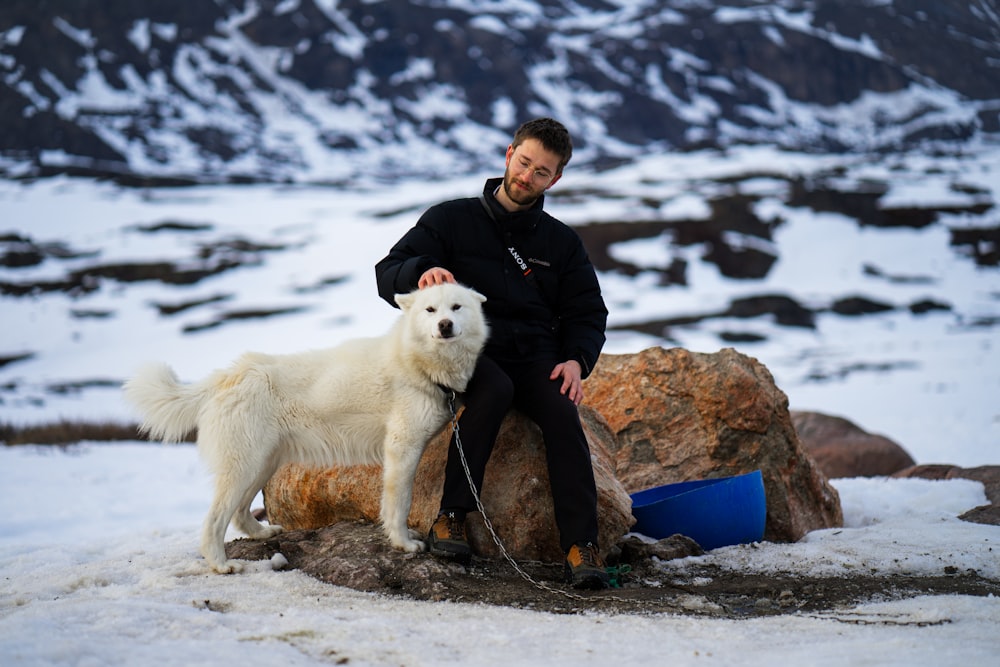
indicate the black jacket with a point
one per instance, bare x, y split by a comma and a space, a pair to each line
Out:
558, 316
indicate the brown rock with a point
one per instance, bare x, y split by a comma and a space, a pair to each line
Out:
635, 550
516, 492
673, 416
299, 496
681, 415
984, 514
926, 471
843, 449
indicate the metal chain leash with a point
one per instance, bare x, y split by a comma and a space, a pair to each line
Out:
489, 525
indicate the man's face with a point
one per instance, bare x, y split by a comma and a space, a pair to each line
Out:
531, 170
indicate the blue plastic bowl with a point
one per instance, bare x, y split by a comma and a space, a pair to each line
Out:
712, 512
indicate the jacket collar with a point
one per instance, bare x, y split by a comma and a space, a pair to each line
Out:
518, 221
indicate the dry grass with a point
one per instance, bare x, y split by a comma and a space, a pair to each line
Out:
69, 432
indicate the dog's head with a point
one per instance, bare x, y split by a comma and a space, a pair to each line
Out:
444, 312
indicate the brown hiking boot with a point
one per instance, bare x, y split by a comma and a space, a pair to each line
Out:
584, 567
447, 537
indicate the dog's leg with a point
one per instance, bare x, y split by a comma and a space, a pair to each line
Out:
235, 489
238, 439
244, 520
228, 496
398, 470
254, 529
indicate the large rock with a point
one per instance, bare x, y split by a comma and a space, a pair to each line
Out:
843, 449
516, 492
680, 415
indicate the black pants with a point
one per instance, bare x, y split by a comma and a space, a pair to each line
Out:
492, 391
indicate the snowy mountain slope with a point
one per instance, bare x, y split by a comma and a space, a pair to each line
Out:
853, 248
332, 90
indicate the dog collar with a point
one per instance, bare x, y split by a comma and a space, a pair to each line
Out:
450, 397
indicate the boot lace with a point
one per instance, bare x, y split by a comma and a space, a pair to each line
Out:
454, 526
588, 555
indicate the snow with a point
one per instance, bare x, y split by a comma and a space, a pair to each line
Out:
99, 563
98, 542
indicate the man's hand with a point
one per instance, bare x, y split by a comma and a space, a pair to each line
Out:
572, 386
435, 276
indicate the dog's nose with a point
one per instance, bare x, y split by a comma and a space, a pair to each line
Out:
446, 328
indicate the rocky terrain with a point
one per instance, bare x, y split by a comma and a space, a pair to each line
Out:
275, 90
355, 555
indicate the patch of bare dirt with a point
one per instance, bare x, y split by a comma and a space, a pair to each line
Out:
357, 556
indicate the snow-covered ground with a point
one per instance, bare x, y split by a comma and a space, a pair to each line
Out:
99, 566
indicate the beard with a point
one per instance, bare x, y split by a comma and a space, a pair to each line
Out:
518, 195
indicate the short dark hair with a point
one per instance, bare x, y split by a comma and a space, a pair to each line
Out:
551, 133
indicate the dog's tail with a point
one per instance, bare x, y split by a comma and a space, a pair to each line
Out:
169, 409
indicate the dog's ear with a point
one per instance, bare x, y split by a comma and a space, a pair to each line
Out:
477, 296
404, 301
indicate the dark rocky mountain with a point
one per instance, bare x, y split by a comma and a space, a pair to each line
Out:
330, 90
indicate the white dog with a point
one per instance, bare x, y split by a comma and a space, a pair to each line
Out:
371, 400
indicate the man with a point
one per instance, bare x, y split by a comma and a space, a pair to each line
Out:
547, 321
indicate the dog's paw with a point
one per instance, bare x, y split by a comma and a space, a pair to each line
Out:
267, 532
408, 544
228, 567
274, 530
412, 546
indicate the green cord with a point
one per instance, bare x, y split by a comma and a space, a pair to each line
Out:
617, 574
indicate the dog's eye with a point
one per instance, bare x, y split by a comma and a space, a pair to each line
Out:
456, 306
431, 309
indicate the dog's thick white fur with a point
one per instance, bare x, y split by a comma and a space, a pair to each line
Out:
371, 400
